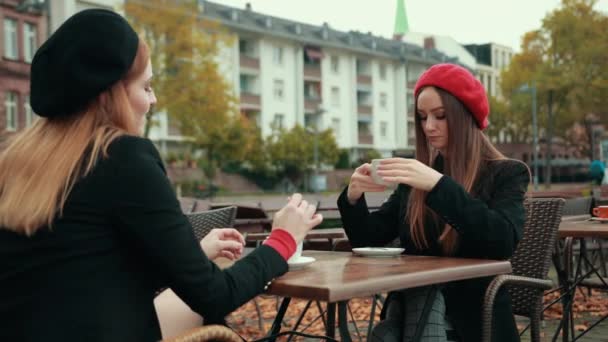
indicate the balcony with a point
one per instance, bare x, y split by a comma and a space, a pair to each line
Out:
311, 104
312, 72
364, 79
250, 101
248, 62
366, 139
364, 109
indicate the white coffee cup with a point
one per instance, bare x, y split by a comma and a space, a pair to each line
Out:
298, 254
377, 178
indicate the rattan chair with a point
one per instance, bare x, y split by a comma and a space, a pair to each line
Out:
530, 264
207, 333
577, 206
202, 222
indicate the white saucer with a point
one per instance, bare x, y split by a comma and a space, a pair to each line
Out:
378, 252
600, 219
301, 262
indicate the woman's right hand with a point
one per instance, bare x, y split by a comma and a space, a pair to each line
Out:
297, 217
361, 181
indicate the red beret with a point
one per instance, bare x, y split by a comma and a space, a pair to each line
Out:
459, 82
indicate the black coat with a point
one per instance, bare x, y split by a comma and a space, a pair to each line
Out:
490, 224
93, 276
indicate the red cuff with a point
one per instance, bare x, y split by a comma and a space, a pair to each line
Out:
282, 242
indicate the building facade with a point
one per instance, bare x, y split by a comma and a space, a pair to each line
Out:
491, 59
23, 28
287, 73
25, 25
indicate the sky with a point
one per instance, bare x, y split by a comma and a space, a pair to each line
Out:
468, 21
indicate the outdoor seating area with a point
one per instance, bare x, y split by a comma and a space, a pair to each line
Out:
556, 278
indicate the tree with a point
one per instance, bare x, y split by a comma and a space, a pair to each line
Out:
292, 151
184, 52
566, 58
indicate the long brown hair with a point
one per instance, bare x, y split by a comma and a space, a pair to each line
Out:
40, 165
467, 151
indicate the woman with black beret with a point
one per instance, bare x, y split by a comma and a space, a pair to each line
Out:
90, 227
458, 197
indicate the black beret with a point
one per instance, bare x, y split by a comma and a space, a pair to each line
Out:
87, 54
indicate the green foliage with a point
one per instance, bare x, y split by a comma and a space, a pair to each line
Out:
343, 160
292, 151
566, 58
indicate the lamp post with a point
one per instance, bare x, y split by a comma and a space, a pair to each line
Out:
532, 89
315, 153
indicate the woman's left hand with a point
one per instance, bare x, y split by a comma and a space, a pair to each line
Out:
223, 242
410, 172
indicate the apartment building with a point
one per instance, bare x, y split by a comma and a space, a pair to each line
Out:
23, 28
491, 59
287, 73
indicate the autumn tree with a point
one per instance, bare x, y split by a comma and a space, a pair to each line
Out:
197, 98
566, 58
292, 151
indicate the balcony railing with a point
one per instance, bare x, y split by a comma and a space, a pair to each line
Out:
250, 100
366, 139
312, 71
364, 109
364, 79
312, 104
249, 62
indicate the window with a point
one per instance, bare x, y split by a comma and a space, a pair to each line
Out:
10, 104
335, 96
383, 128
335, 64
27, 109
383, 100
382, 71
278, 89
277, 55
410, 104
10, 39
30, 41
335, 126
277, 122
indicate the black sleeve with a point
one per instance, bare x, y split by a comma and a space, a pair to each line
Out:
371, 229
148, 212
495, 226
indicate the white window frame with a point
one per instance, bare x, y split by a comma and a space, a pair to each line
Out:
11, 46
27, 109
30, 41
279, 89
335, 64
335, 96
383, 129
383, 100
382, 71
10, 107
335, 125
278, 121
278, 55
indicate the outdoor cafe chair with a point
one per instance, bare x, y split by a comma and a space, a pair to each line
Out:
203, 221
213, 332
530, 264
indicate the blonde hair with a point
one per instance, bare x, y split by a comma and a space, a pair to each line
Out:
467, 151
41, 164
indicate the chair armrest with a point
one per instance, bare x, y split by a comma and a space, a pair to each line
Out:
207, 333
492, 290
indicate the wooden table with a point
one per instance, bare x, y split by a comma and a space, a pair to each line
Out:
583, 229
336, 277
570, 230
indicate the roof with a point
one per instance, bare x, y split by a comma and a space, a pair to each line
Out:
246, 20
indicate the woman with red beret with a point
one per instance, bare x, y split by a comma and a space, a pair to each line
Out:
459, 197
